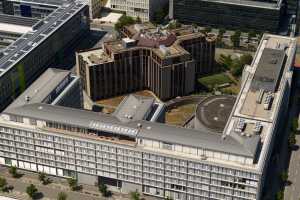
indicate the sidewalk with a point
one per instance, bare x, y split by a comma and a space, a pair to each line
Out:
50, 191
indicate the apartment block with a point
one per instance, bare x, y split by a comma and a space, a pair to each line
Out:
163, 61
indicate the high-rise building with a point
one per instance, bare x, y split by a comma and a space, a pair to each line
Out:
131, 151
144, 9
231, 14
49, 41
163, 61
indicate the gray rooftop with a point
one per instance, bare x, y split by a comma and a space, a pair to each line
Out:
134, 108
45, 2
21, 47
269, 70
18, 20
39, 90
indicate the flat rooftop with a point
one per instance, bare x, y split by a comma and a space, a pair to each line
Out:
250, 3
18, 20
30, 40
262, 94
214, 111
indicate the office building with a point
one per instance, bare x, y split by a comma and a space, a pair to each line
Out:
231, 14
166, 62
131, 151
12, 27
48, 42
41, 9
144, 9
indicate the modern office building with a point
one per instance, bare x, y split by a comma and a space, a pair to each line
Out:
13, 27
49, 41
163, 61
131, 151
41, 9
144, 9
232, 14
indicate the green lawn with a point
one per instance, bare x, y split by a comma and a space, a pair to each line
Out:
214, 80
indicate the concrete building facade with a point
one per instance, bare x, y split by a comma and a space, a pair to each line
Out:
231, 14
144, 9
29, 56
164, 62
129, 150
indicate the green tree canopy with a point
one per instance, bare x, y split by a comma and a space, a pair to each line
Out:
124, 21
31, 190
135, 195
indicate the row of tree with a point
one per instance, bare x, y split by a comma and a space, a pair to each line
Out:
235, 65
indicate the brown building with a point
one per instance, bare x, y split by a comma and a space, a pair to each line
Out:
165, 62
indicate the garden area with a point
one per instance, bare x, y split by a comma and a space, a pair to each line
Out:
228, 80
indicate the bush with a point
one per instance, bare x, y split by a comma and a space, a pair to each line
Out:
31, 190
3, 184
135, 195
62, 196
124, 21
72, 183
104, 191
13, 171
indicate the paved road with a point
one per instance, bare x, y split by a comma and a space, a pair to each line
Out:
292, 191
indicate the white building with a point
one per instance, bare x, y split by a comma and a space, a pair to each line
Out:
144, 9
130, 151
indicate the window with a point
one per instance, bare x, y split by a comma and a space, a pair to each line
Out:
167, 146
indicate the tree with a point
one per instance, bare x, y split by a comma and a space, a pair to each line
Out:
284, 176
280, 195
226, 61
104, 191
222, 31
124, 21
159, 16
135, 195
294, 126
292, 140
31, 190
13, 171
42, 177
251, 34
235, 38
246, 59
3, 184
138, 20
208, 29
72, 183
62, 196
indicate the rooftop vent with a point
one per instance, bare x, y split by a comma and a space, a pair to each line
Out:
268, 101
240, 126
139, 125
27, 98
257, 128
165, 51
127, 42
260, 96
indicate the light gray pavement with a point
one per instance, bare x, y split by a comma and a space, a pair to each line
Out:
50, 191
292, 190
